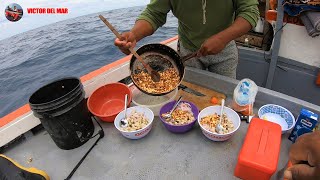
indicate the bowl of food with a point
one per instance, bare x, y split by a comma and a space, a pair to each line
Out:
209, 117
152, 102
139, 122
277, 114
108, 100
182, 118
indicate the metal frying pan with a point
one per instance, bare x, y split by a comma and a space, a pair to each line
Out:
159, 57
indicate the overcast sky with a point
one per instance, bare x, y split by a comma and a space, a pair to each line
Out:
76, 8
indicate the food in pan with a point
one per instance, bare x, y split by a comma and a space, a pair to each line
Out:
169, 79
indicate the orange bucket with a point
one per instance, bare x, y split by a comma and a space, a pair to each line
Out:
108, 101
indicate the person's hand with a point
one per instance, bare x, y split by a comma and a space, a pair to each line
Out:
126, 41
305, 158
211, 46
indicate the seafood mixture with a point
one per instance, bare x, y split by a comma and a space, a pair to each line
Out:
210, 122
169, 79
181, 115
136, 121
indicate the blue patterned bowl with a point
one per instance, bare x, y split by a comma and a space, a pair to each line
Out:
277, 114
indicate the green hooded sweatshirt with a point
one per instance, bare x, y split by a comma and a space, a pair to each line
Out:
200, 19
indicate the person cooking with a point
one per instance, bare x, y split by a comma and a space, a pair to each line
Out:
207, 27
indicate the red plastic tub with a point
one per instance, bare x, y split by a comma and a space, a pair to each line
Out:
108, 101
259, 155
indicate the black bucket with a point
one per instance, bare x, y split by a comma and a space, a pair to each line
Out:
62, 110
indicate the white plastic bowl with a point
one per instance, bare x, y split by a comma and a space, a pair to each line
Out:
153, 102
277, 114
139, 133
231, 114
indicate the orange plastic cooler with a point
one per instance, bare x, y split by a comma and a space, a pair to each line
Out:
258, 157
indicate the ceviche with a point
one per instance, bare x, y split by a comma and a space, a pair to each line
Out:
181, 115
136, 121
210, 122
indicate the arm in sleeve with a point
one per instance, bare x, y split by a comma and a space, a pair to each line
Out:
247, 9
156, 13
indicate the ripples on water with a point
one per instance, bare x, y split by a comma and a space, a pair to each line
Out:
73, 47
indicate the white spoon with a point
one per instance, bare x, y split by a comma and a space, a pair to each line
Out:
124, 121
168, 116
219, 127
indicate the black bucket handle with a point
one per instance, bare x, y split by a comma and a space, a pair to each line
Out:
101, 135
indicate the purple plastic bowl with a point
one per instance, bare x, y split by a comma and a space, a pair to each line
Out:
178, 128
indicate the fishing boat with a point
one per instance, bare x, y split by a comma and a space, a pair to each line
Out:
163, 155
159, 155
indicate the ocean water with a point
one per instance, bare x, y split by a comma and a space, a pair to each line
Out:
73, 47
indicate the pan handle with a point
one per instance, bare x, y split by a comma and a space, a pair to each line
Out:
189, 56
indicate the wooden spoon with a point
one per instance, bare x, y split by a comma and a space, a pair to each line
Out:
155, 76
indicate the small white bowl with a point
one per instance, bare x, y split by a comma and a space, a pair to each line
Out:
277, 114
153, 102
231, 114
139, 133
